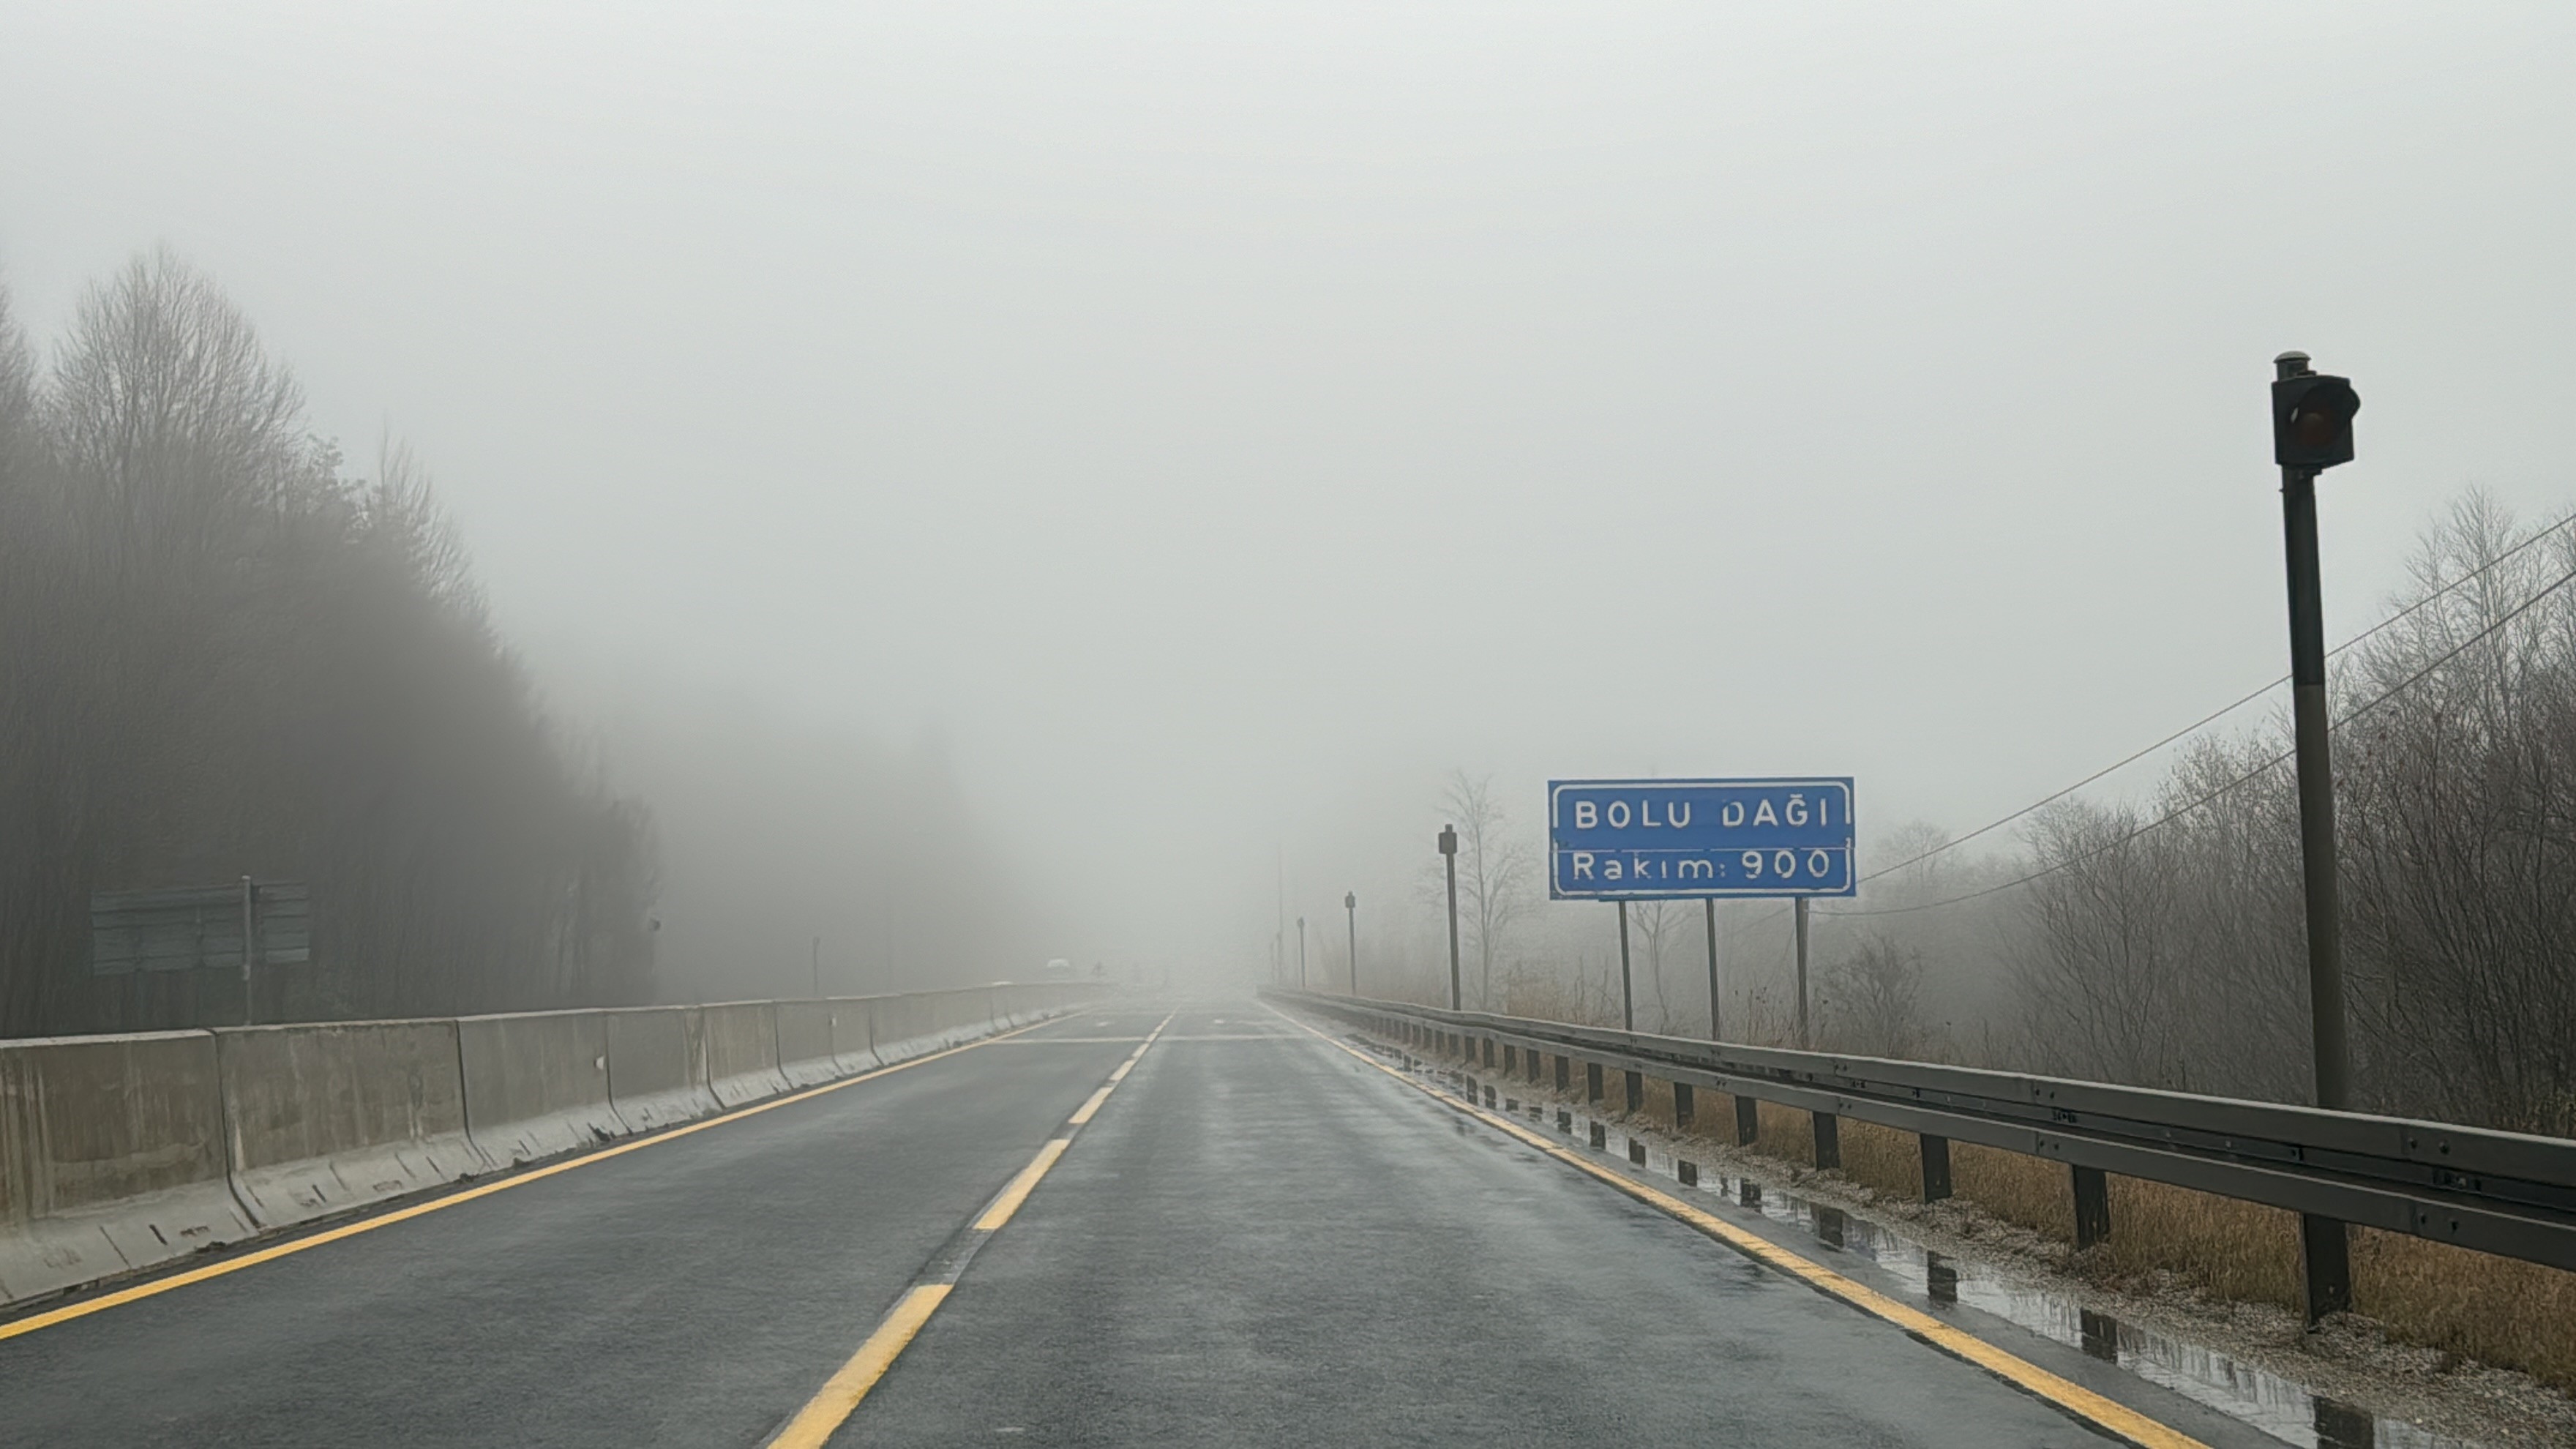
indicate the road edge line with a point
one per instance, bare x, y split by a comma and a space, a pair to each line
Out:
2109, 1415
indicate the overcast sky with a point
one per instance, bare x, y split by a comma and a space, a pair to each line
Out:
1217, 420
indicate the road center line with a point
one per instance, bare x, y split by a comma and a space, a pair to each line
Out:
157, 1286
841, 1394
2107, 1414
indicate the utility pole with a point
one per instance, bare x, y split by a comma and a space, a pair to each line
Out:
1301, 953
1351, 907
1710, 903
1803, 1038
2311, 432
1627, 995
1449, 858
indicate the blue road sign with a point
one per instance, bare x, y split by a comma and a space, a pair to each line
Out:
1644, 840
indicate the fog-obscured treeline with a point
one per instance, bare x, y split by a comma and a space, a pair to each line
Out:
225, 652
2158, 940
796, 855
226, 655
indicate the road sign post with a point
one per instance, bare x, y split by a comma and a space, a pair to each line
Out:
1804, 1037
1627, 988
1710, 906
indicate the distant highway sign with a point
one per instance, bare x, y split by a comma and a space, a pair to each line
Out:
1636, 840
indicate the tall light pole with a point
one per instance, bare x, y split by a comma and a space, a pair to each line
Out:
2311, 432
1449, 858
1301, 953
1351, 907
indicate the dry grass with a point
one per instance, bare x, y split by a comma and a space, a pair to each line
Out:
2496, 1310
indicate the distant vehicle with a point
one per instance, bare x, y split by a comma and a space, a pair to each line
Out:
1058, 969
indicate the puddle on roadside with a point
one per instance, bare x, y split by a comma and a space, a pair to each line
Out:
2212, 1377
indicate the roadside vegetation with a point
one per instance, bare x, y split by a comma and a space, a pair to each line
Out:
2159, 941
227, 651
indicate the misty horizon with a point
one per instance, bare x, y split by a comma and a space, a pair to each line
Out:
1206, 447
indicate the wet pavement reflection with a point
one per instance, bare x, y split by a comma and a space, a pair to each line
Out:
2255, 1396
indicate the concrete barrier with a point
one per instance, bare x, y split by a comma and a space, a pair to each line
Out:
119, 1153
1007, 1012
111, 1158
962, 1015
742, 1052
324, 1118
657, 1066
536, 1083
854, 1033
805, 1033
905, 1026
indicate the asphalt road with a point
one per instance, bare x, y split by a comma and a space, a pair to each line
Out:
1258, 1240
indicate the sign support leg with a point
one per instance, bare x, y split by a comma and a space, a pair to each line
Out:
1803, 1038
1710, 904
1627, 996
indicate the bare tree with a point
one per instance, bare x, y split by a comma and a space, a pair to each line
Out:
1496, 872
1875, 1001
1658, 926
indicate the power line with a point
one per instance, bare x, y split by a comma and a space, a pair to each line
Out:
2187, 807
2223, 711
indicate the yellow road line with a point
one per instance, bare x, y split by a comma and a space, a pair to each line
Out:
2108, 1414
159, 1286
1018, 1192
839, 1397
1083, 1113
825, 1412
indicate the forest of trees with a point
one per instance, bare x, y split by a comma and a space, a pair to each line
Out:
226, 656
225, 653
2161, 940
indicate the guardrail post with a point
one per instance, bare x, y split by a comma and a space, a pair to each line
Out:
1529, 1059
1561, 1072
2092, 1206
1636, 1084
1592, 1081
1748, 1120
1829, 1140
1489, 1051
1684, 1109
2326, 1254
1936, 1167
1511, 1059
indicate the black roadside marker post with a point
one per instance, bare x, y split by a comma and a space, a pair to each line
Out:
2312, 431
1449, 861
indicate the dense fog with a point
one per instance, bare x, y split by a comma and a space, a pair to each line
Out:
734, 502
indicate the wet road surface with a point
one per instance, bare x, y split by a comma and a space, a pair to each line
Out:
1259, 1239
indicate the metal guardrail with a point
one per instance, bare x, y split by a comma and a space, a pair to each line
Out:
2497, 1192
